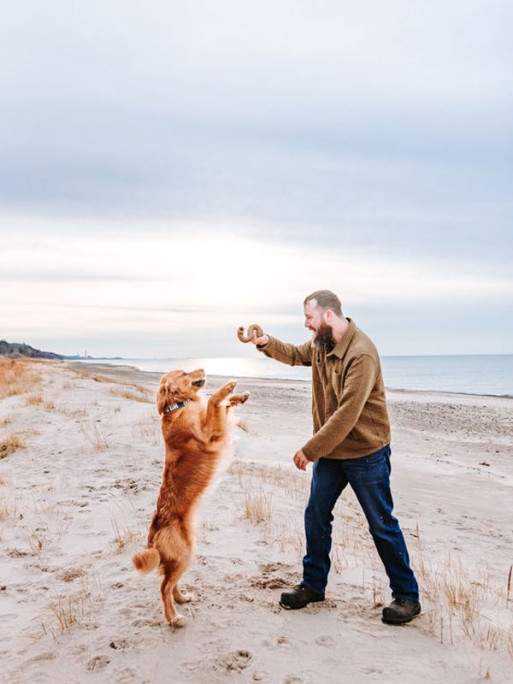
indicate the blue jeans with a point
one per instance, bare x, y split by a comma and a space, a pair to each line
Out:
369, 478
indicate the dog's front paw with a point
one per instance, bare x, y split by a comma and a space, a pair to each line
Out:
223, 392
228, 388
239, 398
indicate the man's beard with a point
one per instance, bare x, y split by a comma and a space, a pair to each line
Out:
323, 339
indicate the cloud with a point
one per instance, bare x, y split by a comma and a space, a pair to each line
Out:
278, 146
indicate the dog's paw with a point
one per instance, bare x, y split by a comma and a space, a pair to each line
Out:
236, 399
229, 387
223, 392
178, 621
185, 598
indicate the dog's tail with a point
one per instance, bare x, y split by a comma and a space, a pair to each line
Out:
147, 560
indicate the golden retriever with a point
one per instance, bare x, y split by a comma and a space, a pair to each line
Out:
195, 436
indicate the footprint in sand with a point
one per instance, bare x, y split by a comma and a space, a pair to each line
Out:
120, 644
125, 675
97, 663
236, 661
267, 582
272, 567
145, 622
325, 641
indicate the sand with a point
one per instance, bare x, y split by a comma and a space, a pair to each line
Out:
76, 500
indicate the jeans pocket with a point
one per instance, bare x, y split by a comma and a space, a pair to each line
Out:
368, 469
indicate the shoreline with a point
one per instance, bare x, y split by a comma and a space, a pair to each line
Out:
483, 374
125, 369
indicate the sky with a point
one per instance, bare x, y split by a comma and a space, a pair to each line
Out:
172, 170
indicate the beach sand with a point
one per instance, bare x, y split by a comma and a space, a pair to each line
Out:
81, 462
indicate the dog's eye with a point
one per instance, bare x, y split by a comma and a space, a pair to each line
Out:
183, 375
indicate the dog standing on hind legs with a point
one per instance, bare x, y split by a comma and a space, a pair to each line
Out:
195, 436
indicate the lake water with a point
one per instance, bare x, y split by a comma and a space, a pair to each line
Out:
479, 374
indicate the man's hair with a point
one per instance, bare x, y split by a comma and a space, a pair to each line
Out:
326, 300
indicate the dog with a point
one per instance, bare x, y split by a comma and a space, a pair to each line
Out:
195, 436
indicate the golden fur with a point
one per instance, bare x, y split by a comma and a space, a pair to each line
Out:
194, 436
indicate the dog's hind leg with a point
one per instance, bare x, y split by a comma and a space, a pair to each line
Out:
167, 591
181, 598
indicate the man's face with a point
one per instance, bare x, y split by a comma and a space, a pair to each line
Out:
313, 316
315, 321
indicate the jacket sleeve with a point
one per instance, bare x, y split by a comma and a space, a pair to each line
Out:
358, 384
293, 355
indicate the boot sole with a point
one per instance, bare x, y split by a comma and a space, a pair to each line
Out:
399, 621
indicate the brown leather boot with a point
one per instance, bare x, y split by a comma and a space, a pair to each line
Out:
299, 597
400, 611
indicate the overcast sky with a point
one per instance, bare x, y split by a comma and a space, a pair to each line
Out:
171, 170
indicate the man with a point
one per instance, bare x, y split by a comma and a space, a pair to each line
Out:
350, 445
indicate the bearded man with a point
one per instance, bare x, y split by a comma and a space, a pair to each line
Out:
350, 445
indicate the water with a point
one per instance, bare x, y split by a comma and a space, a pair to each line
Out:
479, 374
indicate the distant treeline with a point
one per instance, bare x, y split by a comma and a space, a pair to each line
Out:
22, 349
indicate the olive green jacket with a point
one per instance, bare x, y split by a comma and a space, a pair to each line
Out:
350, 417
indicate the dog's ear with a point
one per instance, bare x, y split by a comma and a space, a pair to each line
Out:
167, 396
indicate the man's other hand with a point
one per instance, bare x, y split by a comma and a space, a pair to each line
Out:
300, 460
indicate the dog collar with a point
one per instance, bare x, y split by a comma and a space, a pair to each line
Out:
175, 407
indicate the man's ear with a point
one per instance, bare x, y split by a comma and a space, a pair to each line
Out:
327, 316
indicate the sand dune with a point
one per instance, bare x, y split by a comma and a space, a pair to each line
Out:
81, 460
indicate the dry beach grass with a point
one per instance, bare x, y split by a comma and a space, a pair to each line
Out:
77, 493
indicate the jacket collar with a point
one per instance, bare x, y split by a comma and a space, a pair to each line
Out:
342, 346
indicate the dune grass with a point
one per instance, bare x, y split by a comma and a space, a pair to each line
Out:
95, 434
10, 444
124, 536
18, 376
134, 393
8, 509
